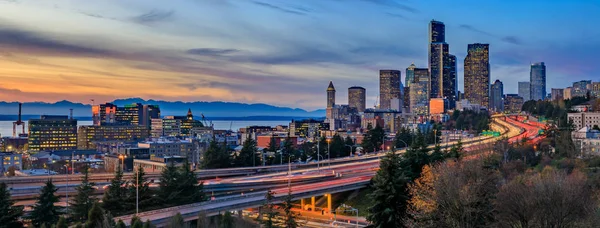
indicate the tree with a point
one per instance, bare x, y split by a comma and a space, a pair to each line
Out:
227, 220
176, 221
377, 135
115, 195
403, 138
143, 193
367, 142
290, 216
95, 217
137, 224
216, 156
84, 199
350, 147
268, 209
389, 194
191, 191
168, 187
62, 223
415, 157
9, 213
44, 212
422, 203
148, 224
456, 151
337, 147
248, 155
202, 220
120, 224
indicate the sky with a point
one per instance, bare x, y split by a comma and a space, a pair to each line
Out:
279, 52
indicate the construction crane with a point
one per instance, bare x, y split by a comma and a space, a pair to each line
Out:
19, 122
205, 122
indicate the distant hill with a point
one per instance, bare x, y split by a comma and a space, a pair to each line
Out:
215, 109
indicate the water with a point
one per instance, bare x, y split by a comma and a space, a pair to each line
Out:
6, 126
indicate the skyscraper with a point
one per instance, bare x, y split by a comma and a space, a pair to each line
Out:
442, 65
409, 77
50, 133
524, 90
557, 93
477, 74
389, 87
497, 95
357, 98
330, 95
537, 78
419, 92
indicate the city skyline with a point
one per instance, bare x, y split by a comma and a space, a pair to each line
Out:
115, 49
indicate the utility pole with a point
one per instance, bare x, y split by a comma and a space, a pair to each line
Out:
137, 190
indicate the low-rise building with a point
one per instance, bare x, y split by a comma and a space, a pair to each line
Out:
308, 128
10, 160
88, 136
264, 140
162, 147
157, 164
513, 103
584, 119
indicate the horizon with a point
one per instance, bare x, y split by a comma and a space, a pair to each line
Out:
110, 49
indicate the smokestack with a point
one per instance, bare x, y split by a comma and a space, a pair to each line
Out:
20, 104
71, 113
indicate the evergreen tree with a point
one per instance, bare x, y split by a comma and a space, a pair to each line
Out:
248, 155
135, 219
350, 147
216, 156
191, 191
143, 193
148, 224
202, 220
120, 224
415, 157
9, 214
176, 221
115, 195
367, 142
137, 224
227, 220
290, 216
84, 200
44, 212
456, 151
288, 149
268, 209
62, 223
403, 138
169, 185
337, 146
437, 155
389, 194
95, 217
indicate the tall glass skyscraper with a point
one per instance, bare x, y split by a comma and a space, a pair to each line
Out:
537, 78
477, 74
442, 65
524, 90
409, 76
497, 93
389, 87
357, 98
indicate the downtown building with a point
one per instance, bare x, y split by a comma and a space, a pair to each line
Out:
52, 133
497, 96
341, 116
537, 80
419, 92
390, 95
133, 114
175, 126
357, 98
557, 94
477, 74
525, 90
513, 103
308, 129
89, 136
442, 66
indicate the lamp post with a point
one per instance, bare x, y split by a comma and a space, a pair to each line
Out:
137, 191
318, 154
122, 157
351, 148
67, 188
405, 144
328, 152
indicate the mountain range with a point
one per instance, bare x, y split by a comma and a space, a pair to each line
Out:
215, 109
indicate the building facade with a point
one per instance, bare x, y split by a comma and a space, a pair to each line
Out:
557, 94
308, 129
88, 136
437, 106
409, 76
581, 88
52, 133
330, 95
10, 160
525, 90
162, 147
357, 98
497, 96
442, 65
389, 87
513, 103
477, 74
584, 119
537, 80
419, 93
104, 114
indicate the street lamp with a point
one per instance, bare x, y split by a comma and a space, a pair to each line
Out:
67, 188
137, 191
351, 148
405, 144
328, 152
122, 157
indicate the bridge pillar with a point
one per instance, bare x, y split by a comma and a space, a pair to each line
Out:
302, 204
312, 203
328, 203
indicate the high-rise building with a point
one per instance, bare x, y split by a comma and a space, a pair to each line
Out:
52, 133
442, 65
525, 90
568, 93
87, 136
357, 98
175, 126
595, 90
477, 74
581, 88
409, 77
136, 114
437, 32
419, 93
104, 114
557, 94
497, 96
513, 103
330, 95
450, 82
437, 53
537, 80
389, 87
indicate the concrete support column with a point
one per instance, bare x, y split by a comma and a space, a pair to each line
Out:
302, 204
329, 203
240, 215
312, 203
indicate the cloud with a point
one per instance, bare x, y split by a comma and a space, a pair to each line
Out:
397, 15
296, 11
473, 29
153, 16
508, 39
23, 40
512, 40
211, 51
393, 3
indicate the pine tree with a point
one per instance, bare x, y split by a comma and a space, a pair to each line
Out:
367, 142
84, 199
202, 220
377, 137
349, 145
437, 155
403, 138
290, 216
143, 192
216, 156
268, 209
44, 212
120, 224
191, 191
95, 217
114, 196
248, 155
168, 186
456, 151
9, 214
337, 146
148, 224
389, 194
134, 219
176, 221
137, 224
415, 158
62, 223
227, 220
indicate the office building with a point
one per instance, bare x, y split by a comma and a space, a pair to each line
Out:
497, 96
104, 114
450, 82
137, 114
88, 136
330, 95
162, 147
513, 103
525, 90
389, 87
442, 65
175, 126
477, 74
557, 94
581, 88
584, 119
409, 76
537, 80
357, 98
437, 106
419, 93
308, 129
51, 133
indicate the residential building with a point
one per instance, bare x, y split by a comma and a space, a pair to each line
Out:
584, 119
477, 74
557, 94
513, 103
308, 129
537, 78
525, 90
497, 96
389, 87
52, 133
88, 136
568, 93
10, 160
357, 98
595, 89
